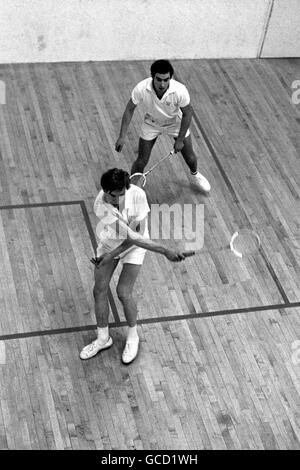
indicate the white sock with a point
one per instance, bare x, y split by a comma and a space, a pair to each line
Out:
132, 333
102, 334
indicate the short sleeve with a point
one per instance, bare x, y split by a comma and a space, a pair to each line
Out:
137, 94
183, 96
141, 206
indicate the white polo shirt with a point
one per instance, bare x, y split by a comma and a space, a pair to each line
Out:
164, 111
135, 209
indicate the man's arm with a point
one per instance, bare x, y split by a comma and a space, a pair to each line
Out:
150, 245
127, 116
138, 226
138, 240
187, 113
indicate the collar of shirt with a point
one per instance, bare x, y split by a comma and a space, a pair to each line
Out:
170, 90
115, 211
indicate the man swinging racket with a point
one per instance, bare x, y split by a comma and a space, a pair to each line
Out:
122, 232
167, 111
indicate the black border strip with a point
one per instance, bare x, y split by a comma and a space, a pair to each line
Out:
41, 204
146, 321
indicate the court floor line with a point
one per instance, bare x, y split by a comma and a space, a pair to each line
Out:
261, 308
40, 204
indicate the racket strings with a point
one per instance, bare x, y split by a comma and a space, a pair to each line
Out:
138, 179
245, 242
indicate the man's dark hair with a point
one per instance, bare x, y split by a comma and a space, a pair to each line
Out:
115, 180
161, 66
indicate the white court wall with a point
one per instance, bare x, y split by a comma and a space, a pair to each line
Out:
283, 34
82, 30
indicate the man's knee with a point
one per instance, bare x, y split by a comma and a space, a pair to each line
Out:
100, 290
123, 293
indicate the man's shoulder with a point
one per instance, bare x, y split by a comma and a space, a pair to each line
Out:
177, 86
137, 202
144, 84
137, 196
137, 191
99, 197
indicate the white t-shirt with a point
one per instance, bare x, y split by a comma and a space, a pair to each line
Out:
135, 209
166, 110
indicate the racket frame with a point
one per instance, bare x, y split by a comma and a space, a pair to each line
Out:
238, 253
144, 175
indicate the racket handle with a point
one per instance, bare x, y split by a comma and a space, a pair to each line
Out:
189, 253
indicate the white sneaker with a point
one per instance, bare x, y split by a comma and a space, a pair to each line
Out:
92, 349
130, 351
201, 182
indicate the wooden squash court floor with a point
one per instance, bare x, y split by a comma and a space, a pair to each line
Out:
219, 362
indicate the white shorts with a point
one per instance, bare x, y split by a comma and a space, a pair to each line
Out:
134, 255
151, 129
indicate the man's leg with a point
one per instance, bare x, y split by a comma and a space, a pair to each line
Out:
125, 286
191, 160
144, 152
125, 291
189, 154
102, 276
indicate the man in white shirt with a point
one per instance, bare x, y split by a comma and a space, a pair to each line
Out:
167, 111
123, 236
